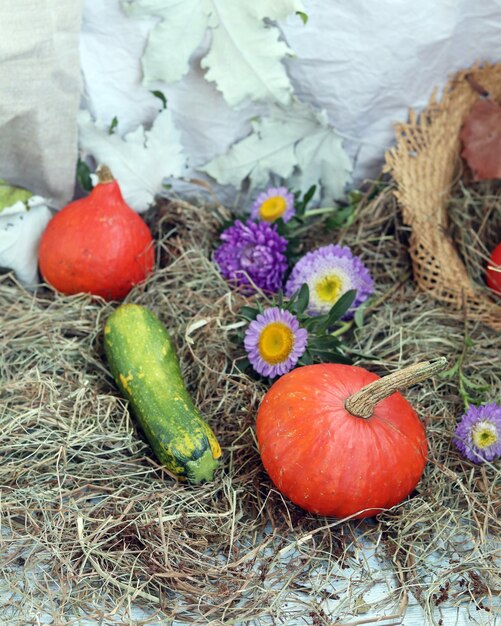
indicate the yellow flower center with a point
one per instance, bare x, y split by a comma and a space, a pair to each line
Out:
275, 343
272, 208
484, 435
329, 288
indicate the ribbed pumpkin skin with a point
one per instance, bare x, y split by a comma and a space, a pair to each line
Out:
97, 245
328, 461
145, 367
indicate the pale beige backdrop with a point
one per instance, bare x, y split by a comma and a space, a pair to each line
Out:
40, 91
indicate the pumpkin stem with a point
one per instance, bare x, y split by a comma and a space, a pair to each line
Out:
362, 403
104, 174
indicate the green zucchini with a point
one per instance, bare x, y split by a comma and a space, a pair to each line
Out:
145, 367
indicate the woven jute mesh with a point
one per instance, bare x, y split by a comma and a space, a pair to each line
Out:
424, 164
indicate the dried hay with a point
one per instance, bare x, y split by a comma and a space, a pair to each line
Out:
91, 525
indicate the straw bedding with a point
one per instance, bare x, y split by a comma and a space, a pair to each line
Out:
92, 526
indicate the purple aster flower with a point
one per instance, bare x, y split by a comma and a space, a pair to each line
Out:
274, 342
253, 254
329, 272
478, 434
272, 204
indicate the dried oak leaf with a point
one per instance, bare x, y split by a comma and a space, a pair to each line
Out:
481, 138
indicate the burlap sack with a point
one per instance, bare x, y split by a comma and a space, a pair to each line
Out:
40, 91
424, 164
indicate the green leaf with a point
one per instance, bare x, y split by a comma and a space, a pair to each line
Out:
302, 299
249, 313
359, 314
324, 342
309, 195
313, 323
303, 16
468, 342
341, 218
319, 324
331, 356
358, 317
243, 364
292, 301
301, 204
280, 299
467, 382
355, 196
340, 308
161, 96
362, 355
113, 125
451, 372
83, 176
306, 358
282, 227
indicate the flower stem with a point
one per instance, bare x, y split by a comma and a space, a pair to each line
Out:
320, 211
363, 402
343, 328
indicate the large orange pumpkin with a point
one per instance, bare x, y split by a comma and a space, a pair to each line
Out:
97, 245
338, 440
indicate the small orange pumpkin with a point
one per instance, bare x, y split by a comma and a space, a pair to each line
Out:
97, 244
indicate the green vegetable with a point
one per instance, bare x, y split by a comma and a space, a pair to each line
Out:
9, 195
144, 364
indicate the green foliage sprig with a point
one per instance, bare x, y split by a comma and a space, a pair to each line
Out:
471, 392
325, 344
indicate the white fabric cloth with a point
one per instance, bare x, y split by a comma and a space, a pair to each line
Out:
21, 227
364, 62
40, 91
